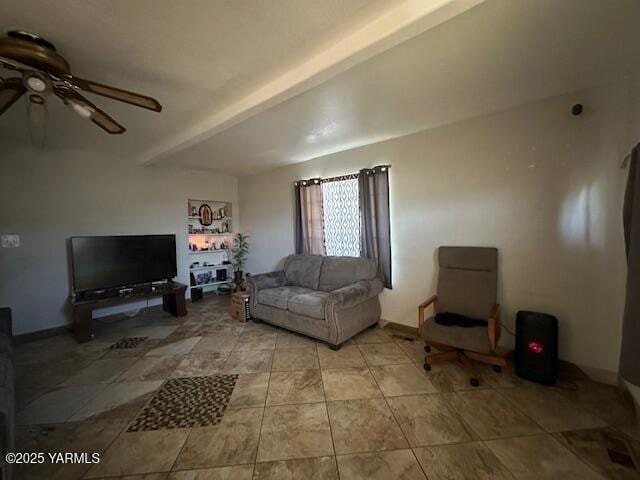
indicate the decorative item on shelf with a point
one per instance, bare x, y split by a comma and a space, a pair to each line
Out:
190, 229
239, 252
193, 279
206, 215
194, 211
196, 264
221, 275
224, 289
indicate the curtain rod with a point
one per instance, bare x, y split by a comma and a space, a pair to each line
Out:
349, 176
337, 178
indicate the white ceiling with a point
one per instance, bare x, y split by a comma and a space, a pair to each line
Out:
499, 54
202, 57
195, 56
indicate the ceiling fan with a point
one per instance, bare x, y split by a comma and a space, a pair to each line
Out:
44, 72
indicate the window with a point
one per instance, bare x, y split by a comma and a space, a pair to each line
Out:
341, 217
328, 213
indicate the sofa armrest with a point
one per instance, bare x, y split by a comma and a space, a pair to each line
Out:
262, 281
267, 280
355, 293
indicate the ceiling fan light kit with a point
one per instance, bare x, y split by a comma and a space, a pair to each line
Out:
82, 109
43, 71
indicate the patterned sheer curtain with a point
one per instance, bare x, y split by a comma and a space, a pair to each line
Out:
308, 210
341, 216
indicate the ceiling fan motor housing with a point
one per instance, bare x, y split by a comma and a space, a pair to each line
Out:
34, 52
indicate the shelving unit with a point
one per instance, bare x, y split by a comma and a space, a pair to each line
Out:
210, 224
208, 251
209, 267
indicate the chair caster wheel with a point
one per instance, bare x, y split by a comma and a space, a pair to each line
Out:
474, 382
427, 367
427, 348
497, 368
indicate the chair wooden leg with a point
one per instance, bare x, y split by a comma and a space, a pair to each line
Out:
468, 364
440, 346
489, 359
442, 357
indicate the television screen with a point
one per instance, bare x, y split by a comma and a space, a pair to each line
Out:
109, 262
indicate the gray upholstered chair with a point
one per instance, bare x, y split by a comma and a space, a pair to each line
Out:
467, 285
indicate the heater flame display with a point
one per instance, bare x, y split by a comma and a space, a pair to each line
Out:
535, 346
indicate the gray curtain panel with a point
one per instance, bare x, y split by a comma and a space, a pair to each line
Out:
375, 226
308, 222
630, 353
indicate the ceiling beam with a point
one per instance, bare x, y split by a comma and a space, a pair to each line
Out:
401, 22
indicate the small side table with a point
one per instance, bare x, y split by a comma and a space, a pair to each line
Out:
239, 308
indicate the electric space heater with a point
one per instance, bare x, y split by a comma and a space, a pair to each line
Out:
536, 356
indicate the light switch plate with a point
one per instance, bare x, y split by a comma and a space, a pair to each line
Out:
10, 241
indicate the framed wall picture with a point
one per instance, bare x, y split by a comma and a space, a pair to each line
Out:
206, 215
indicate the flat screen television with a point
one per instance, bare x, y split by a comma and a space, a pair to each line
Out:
108, 262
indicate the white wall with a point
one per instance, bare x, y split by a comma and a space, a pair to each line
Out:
541, 185
47, 197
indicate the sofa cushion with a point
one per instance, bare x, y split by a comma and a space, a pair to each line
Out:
279, 297
338, 272
303, 270
309, 304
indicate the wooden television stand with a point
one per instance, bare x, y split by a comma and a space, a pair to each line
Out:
173, 302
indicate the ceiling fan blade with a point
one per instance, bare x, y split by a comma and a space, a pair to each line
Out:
107, 123
86, 109
37, 114
116, 93
11, 89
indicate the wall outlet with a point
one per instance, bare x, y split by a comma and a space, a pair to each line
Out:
10, 241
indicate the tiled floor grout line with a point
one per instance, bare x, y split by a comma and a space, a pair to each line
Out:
500, 390
326, 407
547, 432
108, 446
520, 409
264, 409
395, 419
184, 444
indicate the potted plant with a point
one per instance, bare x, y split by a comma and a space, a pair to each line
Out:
239, 251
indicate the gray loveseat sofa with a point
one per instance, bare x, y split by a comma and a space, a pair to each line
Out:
328, 298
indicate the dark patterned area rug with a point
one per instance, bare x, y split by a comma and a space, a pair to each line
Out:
129, 342
186, 402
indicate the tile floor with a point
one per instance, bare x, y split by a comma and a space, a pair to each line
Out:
296, 409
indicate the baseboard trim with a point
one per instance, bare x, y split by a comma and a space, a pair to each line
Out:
597, 374
400, 328
600, 374
39, 334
